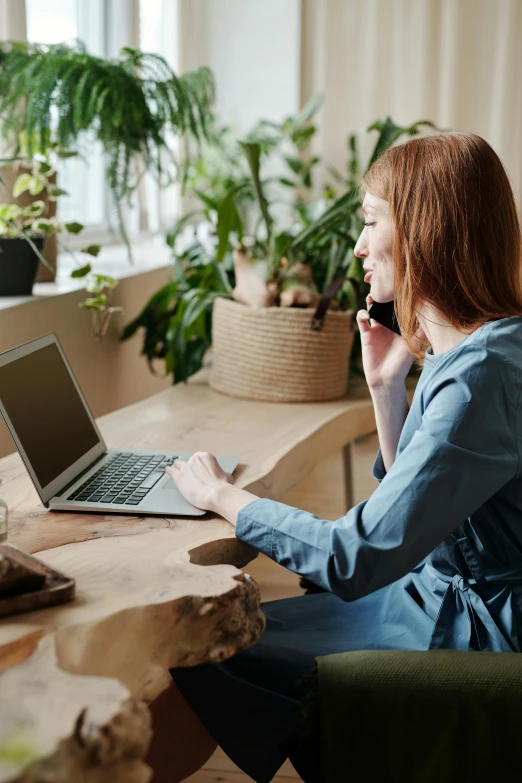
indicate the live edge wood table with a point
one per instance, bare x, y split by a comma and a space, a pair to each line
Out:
151, 592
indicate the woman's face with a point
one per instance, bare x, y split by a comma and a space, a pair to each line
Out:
375, 246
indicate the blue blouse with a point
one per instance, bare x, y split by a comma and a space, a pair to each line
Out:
444, 526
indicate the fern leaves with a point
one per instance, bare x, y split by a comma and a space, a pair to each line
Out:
129, 104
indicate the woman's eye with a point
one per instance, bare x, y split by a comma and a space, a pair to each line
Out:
369, 224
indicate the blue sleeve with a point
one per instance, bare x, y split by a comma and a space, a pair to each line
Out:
379, 469
464, 451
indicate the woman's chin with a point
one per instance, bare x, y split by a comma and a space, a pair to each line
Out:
379, 295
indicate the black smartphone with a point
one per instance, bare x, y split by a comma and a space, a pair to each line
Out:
384, 313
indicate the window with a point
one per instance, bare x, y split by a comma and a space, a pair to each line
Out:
105, 26
159, 33
83, 178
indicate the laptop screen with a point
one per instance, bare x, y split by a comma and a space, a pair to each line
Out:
46, 412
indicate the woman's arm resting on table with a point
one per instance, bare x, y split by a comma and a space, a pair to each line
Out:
457, 460
229, 501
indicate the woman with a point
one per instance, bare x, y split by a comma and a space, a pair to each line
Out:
434, 558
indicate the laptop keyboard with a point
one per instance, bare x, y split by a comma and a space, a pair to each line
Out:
124, 479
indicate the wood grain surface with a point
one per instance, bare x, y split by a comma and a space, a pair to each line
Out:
155, 592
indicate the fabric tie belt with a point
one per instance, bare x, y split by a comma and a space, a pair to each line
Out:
464, 621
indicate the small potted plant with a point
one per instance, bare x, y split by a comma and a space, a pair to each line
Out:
21, 248
29, 221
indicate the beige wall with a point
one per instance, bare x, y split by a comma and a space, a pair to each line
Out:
111, 373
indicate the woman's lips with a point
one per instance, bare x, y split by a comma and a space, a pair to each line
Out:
367, 277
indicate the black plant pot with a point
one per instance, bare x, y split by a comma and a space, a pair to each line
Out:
18, 265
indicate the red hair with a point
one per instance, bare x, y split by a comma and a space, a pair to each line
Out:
457, 241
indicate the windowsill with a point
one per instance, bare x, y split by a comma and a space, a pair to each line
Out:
149, 253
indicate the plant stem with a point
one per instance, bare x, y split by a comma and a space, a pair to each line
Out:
68, 250
106, 316
123, 231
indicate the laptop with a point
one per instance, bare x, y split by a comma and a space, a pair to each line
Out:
63, 450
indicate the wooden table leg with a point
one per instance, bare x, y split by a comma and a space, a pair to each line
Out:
180, 743
345, 473
348, 476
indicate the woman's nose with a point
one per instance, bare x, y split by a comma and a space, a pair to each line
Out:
360, 250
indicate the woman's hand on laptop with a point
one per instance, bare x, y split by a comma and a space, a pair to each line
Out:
206, 485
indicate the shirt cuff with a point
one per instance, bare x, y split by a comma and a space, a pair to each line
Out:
257, 522
378, 470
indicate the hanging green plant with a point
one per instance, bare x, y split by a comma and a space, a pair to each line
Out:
130, 105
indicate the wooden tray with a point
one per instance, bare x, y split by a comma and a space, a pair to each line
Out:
57, 589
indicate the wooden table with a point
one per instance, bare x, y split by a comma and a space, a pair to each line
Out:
152, 592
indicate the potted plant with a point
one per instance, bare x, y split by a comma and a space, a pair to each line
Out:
258, 283
129, 105
22, 183
28, 222
29, 191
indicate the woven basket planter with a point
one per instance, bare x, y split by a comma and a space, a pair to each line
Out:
272, 353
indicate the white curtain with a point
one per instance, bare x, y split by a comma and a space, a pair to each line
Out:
122, 19
159, 207
456, 62
12, 20
12, 28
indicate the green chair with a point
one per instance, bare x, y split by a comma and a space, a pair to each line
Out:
417, 717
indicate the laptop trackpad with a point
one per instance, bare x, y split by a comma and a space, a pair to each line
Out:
170, 503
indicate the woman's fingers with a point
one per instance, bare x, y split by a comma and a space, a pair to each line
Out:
174, 474
174, 469
202, 464
363, 321
363, 317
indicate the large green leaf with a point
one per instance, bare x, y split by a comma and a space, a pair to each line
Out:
354, 166
389, 133
280, 246
74, 227
308, 111
208, 201
340, 210
157, 305
22, 184
302, 136
228, 220
178, 225
177, 320
253, 155
83, 271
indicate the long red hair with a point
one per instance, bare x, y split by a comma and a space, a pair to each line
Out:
457, 241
